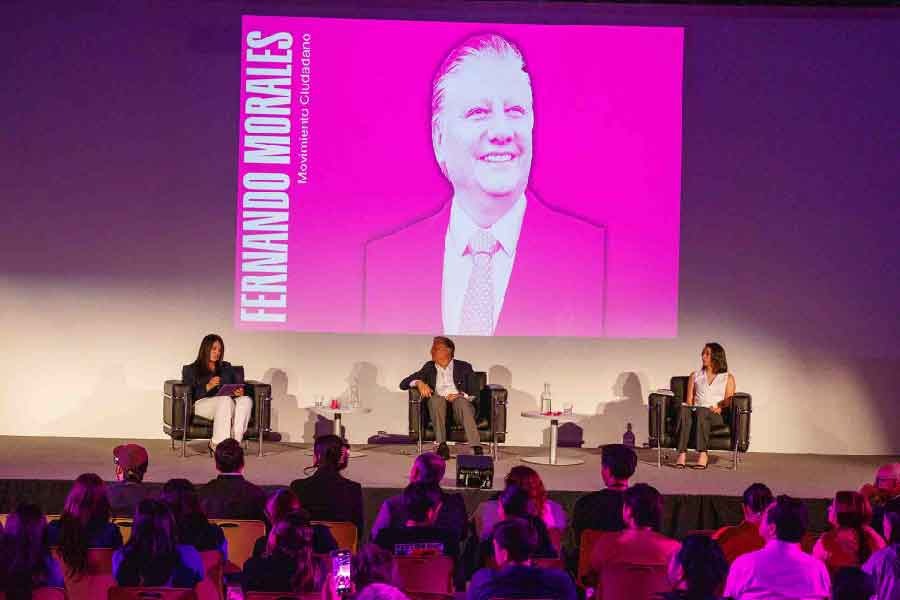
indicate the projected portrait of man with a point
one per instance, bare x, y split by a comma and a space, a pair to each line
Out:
495, 260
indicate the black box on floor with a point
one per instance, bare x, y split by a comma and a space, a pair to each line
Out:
474, 471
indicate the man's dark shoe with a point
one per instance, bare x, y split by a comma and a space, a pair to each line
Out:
478, 450
443, 451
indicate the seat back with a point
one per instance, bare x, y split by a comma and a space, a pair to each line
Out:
46, 593
241, 536
211, 586
124, 524
589, 537
150, 593
95, 581
628, 581
344, 533
429, 574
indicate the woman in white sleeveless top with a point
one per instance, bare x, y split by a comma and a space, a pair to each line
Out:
709, 390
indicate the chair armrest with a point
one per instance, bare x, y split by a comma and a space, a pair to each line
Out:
415, 412
499, 398
175, 394
261, 393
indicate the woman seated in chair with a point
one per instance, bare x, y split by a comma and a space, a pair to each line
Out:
193, 528
709, 391
288, 564
230, 414
27, 563
282, 503
85, 523
153, 557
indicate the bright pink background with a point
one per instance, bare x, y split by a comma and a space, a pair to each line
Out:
607, 147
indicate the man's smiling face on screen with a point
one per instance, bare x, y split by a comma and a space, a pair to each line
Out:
484, 133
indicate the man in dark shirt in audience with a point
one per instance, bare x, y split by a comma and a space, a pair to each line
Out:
131, 462
230, 496
514, 543
419, 534
602, 510
428, 468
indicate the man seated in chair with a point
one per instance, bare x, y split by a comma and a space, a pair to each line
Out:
445, 380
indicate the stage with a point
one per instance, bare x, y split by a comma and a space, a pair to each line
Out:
42, 468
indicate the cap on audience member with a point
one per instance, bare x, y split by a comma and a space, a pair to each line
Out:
642, 507
372, 564
331, 452
617, 463
131, 462
699, 566
786, 520
428, 467
852, 583
515, 540
229, 456
381, 591
757, 498
421, 501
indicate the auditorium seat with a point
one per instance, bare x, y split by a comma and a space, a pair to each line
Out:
490, 415
211, 586
95, 581
124, 524
241, 536
589, 537
150, 593
664, 414
628, 581
178, 408
429, 574
344, 533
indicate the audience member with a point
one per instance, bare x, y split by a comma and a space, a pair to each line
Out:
84, 523
381, 591
740, 539
885, 489
282, 503
552, 514
781, 569
288, 564
372, 564
602, 510
852, 583
128, 489
327, 495
515, 502
640, 542
193, 528
850, 541
153, 557
230, 496
698, 570
27, 563
427, 468
884, 565
514, 543
419, 534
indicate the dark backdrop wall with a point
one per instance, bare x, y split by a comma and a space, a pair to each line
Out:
118, 194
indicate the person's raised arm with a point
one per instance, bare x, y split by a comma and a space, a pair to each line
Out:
417, 376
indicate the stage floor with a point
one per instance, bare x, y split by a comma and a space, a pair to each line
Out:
387, 466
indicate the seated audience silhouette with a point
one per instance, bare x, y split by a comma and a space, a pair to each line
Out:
153, 557
740, 539
131, 462
781, 569
27, 564
551, 513
419, 534
884, 565
194, 529
514, 502
372, 564
288, 564
230, 496
282, 503
852, 583
850, 541
514, 543
698, 570
885, 488
602, 510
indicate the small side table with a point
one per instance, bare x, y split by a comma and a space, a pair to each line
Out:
335, 415
553, 459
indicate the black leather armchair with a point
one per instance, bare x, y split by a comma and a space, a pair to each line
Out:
178, 409
490, 416
664, 411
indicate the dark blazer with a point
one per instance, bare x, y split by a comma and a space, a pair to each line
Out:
463, 377
557, 285
601, 510
233, 497
329, 496
191, 377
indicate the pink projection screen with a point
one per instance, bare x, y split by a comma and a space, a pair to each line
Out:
404, 177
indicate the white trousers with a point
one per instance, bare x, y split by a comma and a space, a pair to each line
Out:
229, 415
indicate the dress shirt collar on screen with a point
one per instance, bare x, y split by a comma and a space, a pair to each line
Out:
458, 264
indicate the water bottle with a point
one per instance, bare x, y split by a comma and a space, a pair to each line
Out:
628, 437
545, 400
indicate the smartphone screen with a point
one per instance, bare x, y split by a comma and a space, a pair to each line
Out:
340, 570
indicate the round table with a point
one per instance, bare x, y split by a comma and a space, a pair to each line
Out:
335, 415
552, 459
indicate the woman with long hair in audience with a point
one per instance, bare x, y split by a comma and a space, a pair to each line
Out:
193, 528
153, 557
551, 513
698, 570
851, 540
514, 502
27, 563
282, 503
288, 564
84, 523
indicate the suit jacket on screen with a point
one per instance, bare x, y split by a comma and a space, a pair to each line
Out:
557, 285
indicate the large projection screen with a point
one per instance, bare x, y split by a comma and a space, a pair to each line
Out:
409, 177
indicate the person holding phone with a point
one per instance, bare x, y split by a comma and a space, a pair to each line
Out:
213, 382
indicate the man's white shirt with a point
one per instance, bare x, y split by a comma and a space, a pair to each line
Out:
458, 264
443, 385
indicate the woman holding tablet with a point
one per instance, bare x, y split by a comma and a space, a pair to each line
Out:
217, 393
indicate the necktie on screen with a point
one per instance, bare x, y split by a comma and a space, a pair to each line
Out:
478, 303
